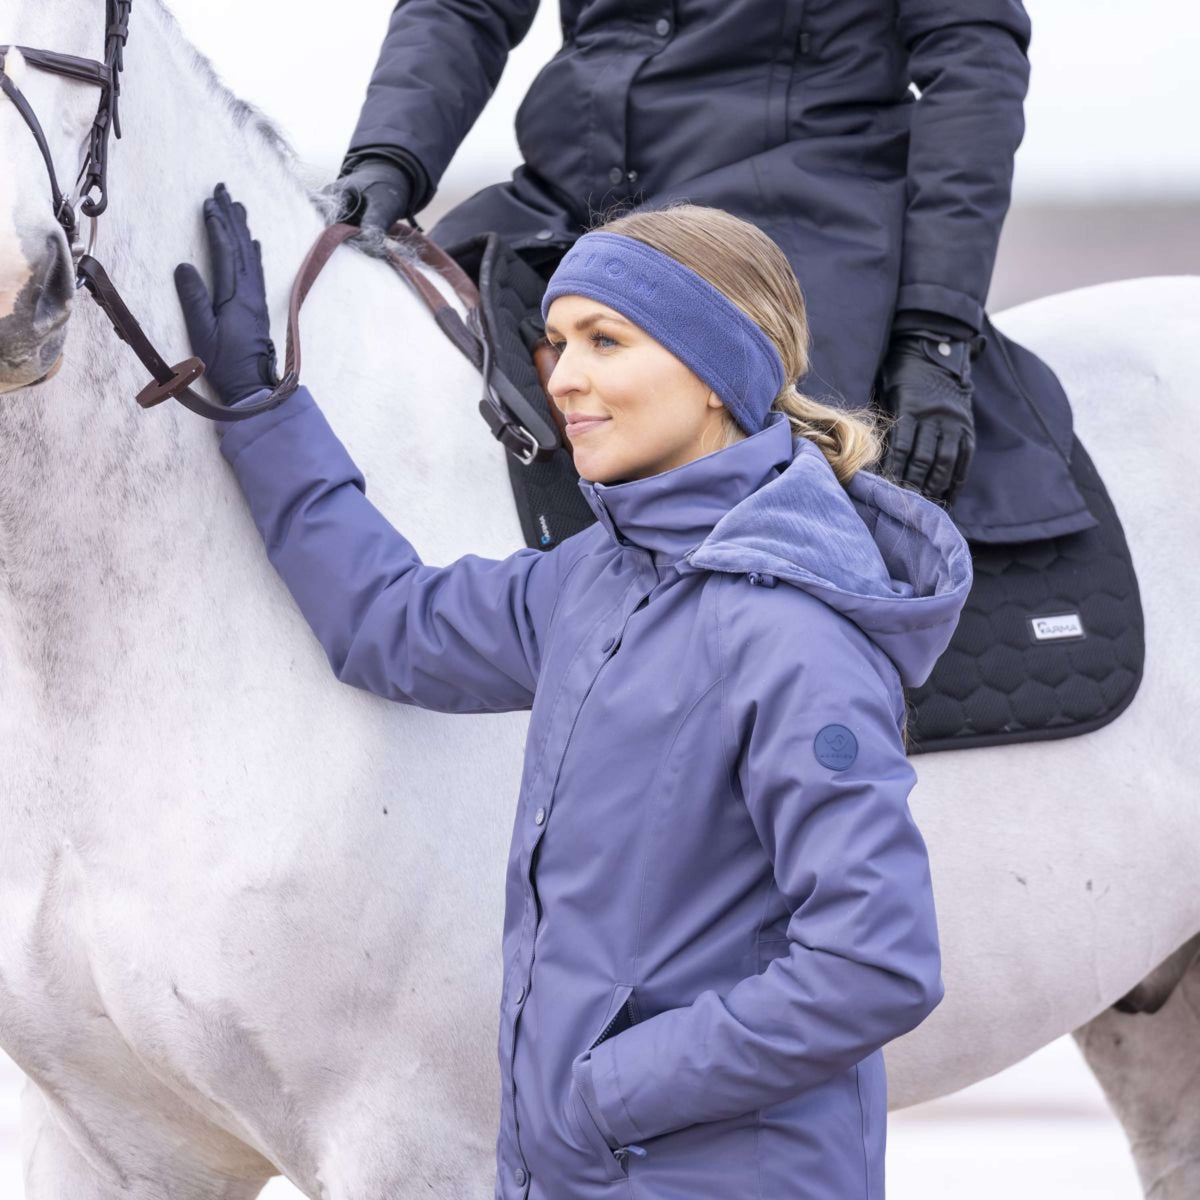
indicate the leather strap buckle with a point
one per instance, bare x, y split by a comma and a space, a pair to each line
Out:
183, 375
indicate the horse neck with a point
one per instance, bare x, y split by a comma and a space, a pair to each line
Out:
109, 513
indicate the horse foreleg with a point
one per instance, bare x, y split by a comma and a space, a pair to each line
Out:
58, 1167
1148, 1064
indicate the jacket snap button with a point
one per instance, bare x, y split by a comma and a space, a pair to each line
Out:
662, 27
608, 645
521, 1176
753, 577
616, 175
544, 234
539, 817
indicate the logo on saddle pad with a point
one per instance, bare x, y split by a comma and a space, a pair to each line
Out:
1057, 627
835, 747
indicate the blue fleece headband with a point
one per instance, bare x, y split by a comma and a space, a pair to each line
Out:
695, 321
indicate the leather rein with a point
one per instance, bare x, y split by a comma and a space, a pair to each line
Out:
514, 422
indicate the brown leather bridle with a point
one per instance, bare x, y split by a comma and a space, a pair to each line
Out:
512, 419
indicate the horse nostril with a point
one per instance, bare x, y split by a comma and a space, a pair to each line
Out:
56, 282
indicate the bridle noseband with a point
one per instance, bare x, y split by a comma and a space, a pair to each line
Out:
514, 422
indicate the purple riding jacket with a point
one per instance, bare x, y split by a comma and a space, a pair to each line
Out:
719, 907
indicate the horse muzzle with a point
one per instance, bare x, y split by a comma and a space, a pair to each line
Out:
35, 305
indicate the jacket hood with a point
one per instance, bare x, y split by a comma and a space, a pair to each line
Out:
887, 558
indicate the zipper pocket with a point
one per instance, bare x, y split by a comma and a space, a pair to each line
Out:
624, 1018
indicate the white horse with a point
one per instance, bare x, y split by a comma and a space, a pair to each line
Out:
249, 917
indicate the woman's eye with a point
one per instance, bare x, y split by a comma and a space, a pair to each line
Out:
595, 337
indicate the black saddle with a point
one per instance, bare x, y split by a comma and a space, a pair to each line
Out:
1051, 640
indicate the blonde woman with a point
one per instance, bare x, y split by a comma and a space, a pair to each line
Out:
718, 905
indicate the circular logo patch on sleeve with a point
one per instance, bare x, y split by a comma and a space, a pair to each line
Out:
835, 747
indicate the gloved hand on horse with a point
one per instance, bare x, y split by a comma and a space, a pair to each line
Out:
372, 192
926, 385
231, 330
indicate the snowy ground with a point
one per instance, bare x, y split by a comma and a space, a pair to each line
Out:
1040, 1130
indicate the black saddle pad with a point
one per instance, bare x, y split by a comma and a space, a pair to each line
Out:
1051, 640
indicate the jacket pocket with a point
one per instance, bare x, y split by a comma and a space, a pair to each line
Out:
589, 1137
621, 1015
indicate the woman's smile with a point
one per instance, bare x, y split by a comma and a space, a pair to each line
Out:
583, 425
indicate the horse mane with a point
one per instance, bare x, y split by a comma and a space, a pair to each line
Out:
245, 116
249, 117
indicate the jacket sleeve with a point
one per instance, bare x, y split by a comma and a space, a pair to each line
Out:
968, 58
463, 638
863, 963
439, 65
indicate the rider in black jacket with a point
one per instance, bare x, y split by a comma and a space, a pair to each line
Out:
795, 115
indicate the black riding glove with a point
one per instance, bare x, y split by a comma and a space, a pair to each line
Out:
231, 331
926, 385
375, 194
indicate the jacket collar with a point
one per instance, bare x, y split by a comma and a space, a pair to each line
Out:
673, 511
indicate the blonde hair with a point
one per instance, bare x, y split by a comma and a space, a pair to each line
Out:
750, 269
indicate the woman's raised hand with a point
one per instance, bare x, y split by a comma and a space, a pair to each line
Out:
231, 330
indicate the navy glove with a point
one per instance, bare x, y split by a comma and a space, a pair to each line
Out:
926, 385
231, 331
374, 194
